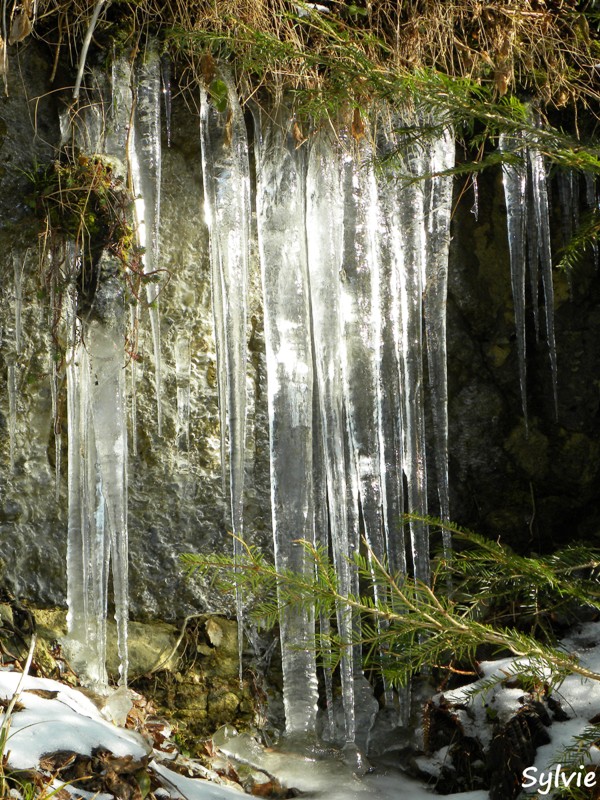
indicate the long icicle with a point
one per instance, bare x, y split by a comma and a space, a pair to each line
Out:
362, 330
442, 158
514, 178
282, 246
145, 159
324, 223
227, 206
542, 220
408, 220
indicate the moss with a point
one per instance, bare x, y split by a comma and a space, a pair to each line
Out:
529, 450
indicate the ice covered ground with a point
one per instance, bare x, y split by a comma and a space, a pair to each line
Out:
53, 717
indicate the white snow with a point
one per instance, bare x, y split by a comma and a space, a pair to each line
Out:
70, 721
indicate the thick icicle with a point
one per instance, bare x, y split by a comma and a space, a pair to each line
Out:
402, 249
97, 479
282, 245
109, 409
542, 221
442, 156
361, 331
146, 168
362, 323
514, 177
324, 224
227, 208
87, 546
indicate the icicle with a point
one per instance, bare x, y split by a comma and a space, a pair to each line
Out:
118, 126
227, 205
18, 282
390, 403
514, 176
475, 206
442, 157
320, 505
282, 245
591, 200
165, 72
146, 168
182, 375
404, 201
57, 463
361, 317
109, 408
533, 259
87, 551
12, 414
568, 196
590, 190
542, 221
97, 478
56, 422
324, 224
134, 319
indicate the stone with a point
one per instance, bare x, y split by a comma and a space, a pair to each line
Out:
150, 647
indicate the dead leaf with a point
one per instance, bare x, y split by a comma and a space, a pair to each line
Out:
45, 693
4, 704
21, 27
358, 126
56, 762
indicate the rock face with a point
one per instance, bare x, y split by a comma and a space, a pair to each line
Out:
535, 491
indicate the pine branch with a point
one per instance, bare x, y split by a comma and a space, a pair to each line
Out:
415, 625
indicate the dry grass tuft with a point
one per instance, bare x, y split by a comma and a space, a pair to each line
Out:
546, 48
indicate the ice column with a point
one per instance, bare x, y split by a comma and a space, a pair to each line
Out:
282, 245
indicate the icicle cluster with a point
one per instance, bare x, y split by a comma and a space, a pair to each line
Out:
528, 226
352, 261
97, 544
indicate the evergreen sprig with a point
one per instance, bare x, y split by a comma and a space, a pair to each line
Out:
408, 625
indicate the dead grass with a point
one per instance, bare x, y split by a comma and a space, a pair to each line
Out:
542, 47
